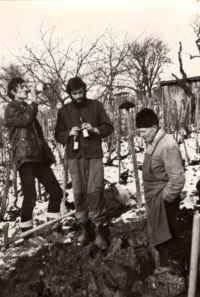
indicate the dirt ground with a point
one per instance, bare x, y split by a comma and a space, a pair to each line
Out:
64, 268
58, 266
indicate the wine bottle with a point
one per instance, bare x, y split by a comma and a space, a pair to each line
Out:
75, 143
85, 131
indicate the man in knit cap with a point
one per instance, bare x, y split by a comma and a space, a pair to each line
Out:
163, 179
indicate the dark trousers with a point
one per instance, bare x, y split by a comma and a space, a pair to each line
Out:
171, 251
28, 171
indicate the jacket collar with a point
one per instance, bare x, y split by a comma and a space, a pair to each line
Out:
17, 103
151, 147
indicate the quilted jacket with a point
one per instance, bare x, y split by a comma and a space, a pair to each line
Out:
25, 134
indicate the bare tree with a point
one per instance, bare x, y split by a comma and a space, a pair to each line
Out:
185, 86
108, 75
53, 61
145, 60
195, 24
108, 68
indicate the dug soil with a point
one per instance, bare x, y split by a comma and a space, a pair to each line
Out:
67, 269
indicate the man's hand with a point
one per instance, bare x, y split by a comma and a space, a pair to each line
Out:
88, 127
74, 131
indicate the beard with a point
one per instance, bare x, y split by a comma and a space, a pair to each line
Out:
79, 105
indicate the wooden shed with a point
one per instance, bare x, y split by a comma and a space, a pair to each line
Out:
175, 97
174, 93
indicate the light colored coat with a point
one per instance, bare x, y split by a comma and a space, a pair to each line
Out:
167, 165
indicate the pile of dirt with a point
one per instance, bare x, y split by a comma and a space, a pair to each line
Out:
68, 269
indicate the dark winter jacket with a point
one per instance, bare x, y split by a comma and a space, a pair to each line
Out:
25, 133
93, 113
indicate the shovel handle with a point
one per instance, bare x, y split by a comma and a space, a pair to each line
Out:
8, 241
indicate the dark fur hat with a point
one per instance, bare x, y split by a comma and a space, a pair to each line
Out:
146, 118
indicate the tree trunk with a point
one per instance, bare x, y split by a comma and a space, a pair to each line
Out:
162, 105
8, 163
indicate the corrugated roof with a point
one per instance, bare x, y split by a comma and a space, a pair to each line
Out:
174, 82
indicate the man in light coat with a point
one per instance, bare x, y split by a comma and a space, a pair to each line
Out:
163, 179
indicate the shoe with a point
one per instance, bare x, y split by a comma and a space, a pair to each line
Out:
99, 240
176, 267
84, 237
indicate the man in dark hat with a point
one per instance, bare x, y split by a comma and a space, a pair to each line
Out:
31, 153
163, 179
81, 125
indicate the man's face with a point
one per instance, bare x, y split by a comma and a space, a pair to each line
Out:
148, 133
78, 95
21, 92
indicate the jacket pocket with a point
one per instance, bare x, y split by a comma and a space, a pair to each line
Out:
30, 148
27, 145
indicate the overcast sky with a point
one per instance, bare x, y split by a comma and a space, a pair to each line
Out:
167, 19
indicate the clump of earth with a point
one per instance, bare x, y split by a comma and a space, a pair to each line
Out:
60, 267
56, 265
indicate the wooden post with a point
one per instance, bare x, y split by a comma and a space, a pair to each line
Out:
182, 133
127, 105
39, 191
162, 105
8, 171
15, 182
132, 148
65, 168
194, 256
64, 183
190, 113
119, 145
197, 120
185, 148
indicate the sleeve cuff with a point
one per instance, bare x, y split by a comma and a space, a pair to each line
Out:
96, 131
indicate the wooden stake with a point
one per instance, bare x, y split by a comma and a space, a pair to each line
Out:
194, 256
127, 105
162, 104
8, 171
64, 184
197, 121
119, 145
132, 148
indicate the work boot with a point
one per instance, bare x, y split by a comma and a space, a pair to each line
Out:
99, 240
84, 237
52, 227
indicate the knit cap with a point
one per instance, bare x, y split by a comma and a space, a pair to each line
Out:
146, 118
